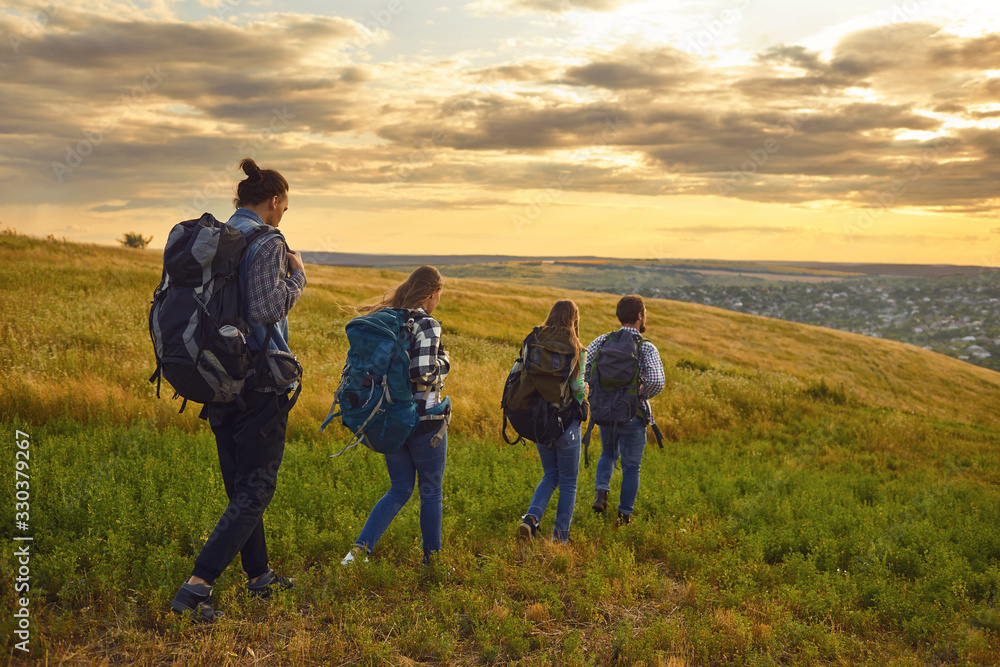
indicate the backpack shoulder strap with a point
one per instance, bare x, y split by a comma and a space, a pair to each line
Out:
529, 339
256, 237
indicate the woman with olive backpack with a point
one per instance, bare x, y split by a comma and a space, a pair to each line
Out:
546, 400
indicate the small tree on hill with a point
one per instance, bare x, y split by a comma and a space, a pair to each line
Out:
133, 240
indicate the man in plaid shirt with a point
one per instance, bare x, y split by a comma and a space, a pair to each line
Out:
251, 441
627, 441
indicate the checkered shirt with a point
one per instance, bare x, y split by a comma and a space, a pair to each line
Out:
651, 376
271, 292
428, 359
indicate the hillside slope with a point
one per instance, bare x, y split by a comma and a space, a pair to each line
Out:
74, 342
823, 498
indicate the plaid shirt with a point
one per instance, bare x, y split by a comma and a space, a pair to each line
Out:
271, 292
651, 376
428, 359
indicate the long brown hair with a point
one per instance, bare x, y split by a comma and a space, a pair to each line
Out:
259, 185
565, 315
411, 293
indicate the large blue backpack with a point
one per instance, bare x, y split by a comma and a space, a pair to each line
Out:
197, 319
375, 394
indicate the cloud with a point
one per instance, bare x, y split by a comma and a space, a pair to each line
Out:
730, 229
153, 109
486, 7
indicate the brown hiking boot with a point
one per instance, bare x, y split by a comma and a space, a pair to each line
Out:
624, 519
600, 501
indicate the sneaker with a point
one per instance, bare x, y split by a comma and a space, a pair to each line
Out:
267, 584
600, 501
195, 600
349, 558
623, 519
528, 527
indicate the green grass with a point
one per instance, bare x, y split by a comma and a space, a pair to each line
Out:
821, 498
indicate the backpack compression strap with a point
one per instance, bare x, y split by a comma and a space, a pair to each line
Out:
590, 426
295, 395
656, 429
659, 436
506, 438
520, 359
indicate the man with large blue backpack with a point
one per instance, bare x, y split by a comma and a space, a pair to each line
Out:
624, 371
221, 338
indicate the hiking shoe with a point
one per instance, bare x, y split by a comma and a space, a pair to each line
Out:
195, 600
349, 558
600, 501
528, 527
267, 584
624, 519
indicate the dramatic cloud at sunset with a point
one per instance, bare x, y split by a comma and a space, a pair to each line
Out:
736, 129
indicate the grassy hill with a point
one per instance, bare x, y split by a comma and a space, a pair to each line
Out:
823, 497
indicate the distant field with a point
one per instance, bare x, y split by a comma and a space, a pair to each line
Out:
822, 497
768, 270
925, 270
779, 277
620, 276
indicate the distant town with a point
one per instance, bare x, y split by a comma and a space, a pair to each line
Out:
958, 316
953, 310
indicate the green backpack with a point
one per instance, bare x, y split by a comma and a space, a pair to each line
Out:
537, 399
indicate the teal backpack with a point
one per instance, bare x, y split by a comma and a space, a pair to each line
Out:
375, 394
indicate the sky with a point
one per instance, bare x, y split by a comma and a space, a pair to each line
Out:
719, 129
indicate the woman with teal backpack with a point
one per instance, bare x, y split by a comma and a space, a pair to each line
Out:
422, 456
560, 459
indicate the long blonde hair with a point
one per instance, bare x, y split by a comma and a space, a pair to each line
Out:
565, 315
411, 293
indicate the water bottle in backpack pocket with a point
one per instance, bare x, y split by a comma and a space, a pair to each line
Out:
196, 320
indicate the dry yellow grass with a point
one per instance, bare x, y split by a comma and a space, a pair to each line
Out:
74, 343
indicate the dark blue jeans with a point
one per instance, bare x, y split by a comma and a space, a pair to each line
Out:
415, 460
249, 462
629, 443
560, 467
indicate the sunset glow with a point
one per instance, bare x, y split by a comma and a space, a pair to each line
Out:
730, 129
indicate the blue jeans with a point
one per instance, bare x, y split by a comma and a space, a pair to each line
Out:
415, 459
560, 466
629, 445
